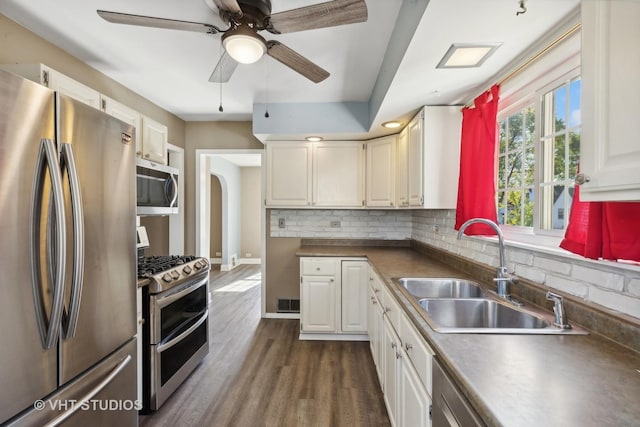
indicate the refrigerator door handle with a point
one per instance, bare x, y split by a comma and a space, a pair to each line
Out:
70, 322
80, 403
48, 159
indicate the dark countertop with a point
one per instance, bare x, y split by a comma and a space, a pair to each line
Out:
518, 380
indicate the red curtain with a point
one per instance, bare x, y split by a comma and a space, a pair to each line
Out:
477, 183
608, 230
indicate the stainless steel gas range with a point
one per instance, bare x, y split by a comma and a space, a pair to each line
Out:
175, 334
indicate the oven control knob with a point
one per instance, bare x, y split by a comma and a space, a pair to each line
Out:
187, 269
197, 265
167, 277
175, 275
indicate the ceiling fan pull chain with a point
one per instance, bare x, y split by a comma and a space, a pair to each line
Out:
266, 65
221, 67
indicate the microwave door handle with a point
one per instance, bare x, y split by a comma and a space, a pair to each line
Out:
171, 187
47, 156
77, 278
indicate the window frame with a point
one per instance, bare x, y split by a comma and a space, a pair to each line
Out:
519, 101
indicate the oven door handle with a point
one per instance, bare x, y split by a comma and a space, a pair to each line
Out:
166, 300
165, 346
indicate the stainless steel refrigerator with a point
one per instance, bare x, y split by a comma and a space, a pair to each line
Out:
67, 261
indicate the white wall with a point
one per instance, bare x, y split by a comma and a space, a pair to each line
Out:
231, 182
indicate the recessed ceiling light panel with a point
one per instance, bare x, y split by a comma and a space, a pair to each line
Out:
392, 125
467, 55
314, 138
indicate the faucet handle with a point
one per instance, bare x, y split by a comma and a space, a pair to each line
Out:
558, 309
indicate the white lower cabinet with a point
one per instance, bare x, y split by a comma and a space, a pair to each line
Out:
333, 298
402, 358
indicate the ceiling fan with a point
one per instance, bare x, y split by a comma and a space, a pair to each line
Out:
246, 18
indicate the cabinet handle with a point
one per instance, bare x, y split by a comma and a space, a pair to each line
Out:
393, 345
398, 355
376, 290
386, 310
331, 280
582, 178
371, 279
407, 346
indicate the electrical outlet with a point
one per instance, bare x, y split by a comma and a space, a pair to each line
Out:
248, 254
218, 253
335, 224
281, 223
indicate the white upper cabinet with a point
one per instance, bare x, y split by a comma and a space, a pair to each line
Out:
381, 172
57, 81
151, 136
288, 173
155, 137
429, 159
610, 151
338, 173
322, 174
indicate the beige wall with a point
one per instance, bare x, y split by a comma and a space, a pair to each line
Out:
215, 238
282, 270
250, 228
209, 135
21, 46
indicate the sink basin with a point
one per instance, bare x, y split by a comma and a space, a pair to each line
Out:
485, 316
421, 287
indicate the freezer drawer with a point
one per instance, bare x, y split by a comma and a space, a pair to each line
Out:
105, 396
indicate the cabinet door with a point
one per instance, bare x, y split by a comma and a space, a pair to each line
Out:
289, 173
413, 400
76, 90
318, 304
414, 160
127, 115
154, 141
338, 173
355, 278
390, 371
610, 153
381, 163
374, 329
402, 186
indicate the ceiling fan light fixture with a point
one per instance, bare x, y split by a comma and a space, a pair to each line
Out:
244, 45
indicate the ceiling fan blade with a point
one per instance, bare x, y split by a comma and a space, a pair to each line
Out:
296, 62
228, 5
328, 14
149, 21
224, 69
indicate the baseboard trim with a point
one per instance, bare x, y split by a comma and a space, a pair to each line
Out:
333, 337
281, 316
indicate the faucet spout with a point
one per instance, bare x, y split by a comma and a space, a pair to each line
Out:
503, 278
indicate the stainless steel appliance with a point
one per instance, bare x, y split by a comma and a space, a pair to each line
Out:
450, 407
157, 188
67, 261
175, 336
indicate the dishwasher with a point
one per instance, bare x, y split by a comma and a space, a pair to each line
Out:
450, 407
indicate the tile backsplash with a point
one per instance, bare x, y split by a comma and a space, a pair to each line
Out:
608, 284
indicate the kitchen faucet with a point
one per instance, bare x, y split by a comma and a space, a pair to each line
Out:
503, 278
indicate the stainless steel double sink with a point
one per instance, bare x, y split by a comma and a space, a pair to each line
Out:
454, 305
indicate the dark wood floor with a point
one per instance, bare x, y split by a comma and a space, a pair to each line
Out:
258, 373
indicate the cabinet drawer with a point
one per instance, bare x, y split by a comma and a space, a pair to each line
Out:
391, 308
417, 351
317, 266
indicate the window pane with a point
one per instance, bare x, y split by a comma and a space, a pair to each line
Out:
560, 108
503, 136
501, 172
574, 106
558, 158
546, 161
528, 205
559, 195
514, 178
529, 125
529, 164
574, 153
514, 140
502, 207
514, 207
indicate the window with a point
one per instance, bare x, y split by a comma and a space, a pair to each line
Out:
538, 158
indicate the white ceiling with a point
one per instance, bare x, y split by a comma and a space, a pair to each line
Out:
171, 68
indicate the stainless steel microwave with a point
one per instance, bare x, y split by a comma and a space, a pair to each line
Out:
156, 188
